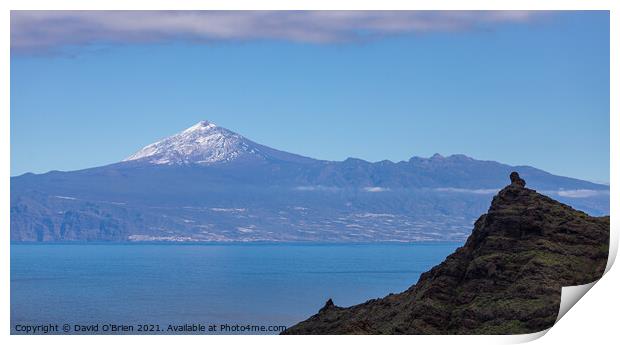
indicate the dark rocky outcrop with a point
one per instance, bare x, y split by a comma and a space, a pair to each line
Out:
516, 179
506, 279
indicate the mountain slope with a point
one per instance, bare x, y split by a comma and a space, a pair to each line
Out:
506, 279
210, 184
207, 143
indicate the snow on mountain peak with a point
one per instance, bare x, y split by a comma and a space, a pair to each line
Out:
202, 143
201, 126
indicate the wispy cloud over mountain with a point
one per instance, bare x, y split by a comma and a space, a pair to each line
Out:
489, 191
376, 189
579, 193
567, 193
47, 31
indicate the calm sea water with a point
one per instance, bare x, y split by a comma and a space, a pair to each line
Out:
176, 284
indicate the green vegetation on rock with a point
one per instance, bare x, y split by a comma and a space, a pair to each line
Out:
506, 279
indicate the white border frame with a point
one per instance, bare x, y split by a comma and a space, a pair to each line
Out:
591, 320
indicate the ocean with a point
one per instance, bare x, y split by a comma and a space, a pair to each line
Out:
207, 288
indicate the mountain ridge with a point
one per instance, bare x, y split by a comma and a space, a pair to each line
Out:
169, 147
285, 197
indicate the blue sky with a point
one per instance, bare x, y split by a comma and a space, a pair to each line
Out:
532, 90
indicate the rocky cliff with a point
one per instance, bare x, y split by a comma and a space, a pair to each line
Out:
506, 279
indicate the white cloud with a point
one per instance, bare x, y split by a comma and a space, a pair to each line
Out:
580, 193
465, 190
45, 31
64, 197
568, 193
316, 188
376, 189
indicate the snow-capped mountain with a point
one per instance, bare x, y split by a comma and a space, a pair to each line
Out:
208, 183
202, 143
206, 143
